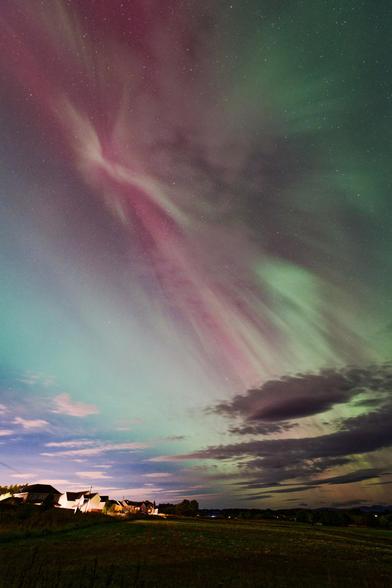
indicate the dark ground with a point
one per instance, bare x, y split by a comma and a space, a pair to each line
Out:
194, 553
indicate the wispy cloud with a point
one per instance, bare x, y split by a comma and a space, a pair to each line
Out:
142, 493
30, 423
6, 465
31, 379
57, 482
71, 443
127, 424
5, 432
158, 475
163, 458
93, 475
3, 408
63, 404
97, 450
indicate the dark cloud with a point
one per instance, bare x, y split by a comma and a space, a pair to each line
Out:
383, 483
290, 490
258, 497
271, 493
348, 503
286, 463
350, 478
308, 467
276, 487
368, 402
254, 428
362, 434
263, 409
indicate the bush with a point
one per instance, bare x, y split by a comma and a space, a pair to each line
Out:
26, 519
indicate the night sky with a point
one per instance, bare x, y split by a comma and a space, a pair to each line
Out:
195, 249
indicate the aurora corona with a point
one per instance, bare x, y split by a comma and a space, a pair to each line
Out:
195, 249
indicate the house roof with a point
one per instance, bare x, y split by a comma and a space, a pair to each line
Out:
132, 503
12, 500
75, 495
39, 489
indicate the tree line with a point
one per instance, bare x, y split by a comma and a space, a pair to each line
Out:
186, 508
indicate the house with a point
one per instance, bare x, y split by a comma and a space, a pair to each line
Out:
145, 507
93, 502
38, 494
149, 508
5, 496
72, 500
8, 499
131, 506
85, 501
115, 507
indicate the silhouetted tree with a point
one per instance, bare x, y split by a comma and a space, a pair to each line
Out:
167, 508
12, 488
187, 508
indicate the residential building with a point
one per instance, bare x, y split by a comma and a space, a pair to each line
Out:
38, 494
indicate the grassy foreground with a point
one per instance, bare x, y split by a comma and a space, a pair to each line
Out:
192, 553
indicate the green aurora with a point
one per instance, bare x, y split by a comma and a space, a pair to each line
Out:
196, 242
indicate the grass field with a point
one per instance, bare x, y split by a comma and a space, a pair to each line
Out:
184, 553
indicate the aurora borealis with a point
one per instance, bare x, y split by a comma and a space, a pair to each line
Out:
196, 235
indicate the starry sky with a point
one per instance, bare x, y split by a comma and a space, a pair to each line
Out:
195, 249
